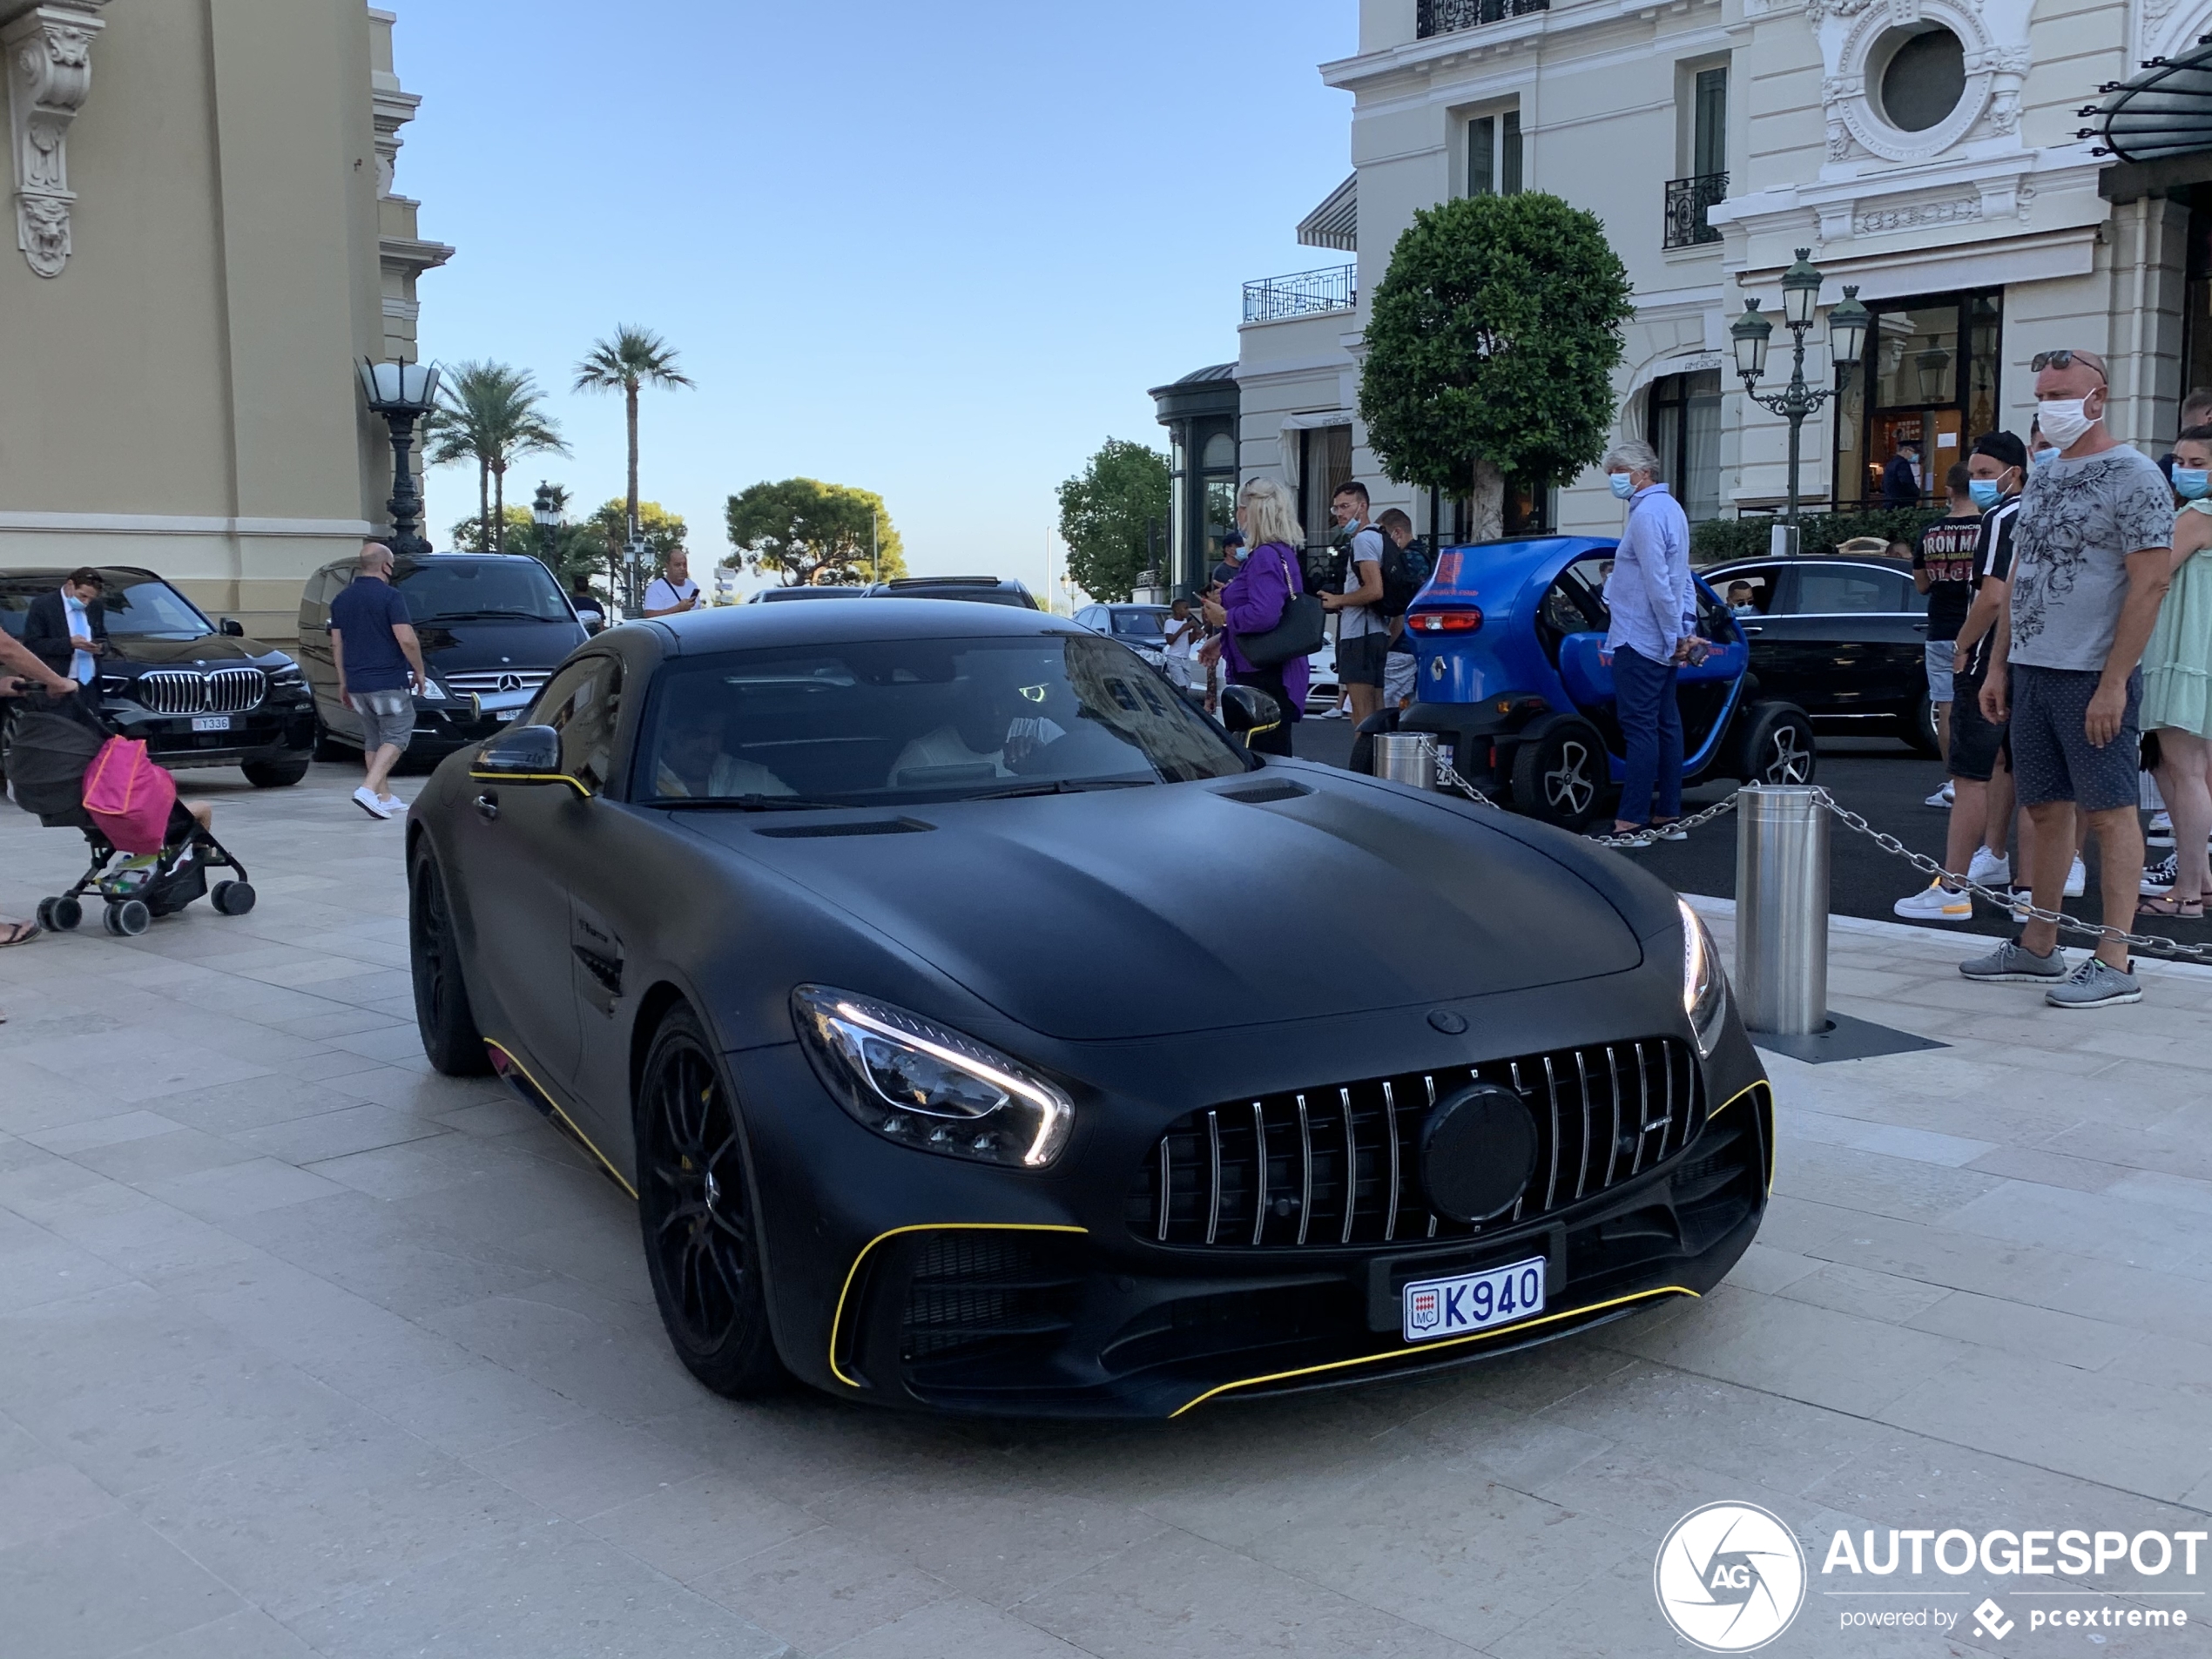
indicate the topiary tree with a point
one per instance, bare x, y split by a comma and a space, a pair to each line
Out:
1492, 345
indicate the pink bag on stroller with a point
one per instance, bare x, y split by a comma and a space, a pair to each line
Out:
129, 796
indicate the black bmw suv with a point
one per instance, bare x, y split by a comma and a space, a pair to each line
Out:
198, 692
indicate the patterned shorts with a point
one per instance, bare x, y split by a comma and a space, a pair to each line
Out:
2052, 757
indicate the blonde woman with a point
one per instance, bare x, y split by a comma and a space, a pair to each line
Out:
1267, 575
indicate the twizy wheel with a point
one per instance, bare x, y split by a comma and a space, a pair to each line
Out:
1559, 771
695, 1205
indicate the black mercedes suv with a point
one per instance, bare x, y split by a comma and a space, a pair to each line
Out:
198, 692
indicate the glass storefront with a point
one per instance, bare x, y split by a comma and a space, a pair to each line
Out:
1929, 380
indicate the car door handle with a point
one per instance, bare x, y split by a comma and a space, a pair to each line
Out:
488, 805
1919, 627
1751, 628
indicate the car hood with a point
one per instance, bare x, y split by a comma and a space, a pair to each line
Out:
1127, 914
211, 649
453, 647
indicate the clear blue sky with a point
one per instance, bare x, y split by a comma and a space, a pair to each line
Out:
937, 251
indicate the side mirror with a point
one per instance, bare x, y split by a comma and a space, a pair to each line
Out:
521, 750
232, 627
594, 622
1244, 709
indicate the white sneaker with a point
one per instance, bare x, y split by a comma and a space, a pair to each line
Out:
1941, 798
370, 803
393, 806
1936, 902
2161, 823
2077, 878
1990, 869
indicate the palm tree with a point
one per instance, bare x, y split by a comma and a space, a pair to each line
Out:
491, 414
633, 358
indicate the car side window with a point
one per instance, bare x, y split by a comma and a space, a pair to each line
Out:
1849, 590
582, 703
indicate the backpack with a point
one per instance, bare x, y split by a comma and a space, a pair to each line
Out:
1406, 571
129, 796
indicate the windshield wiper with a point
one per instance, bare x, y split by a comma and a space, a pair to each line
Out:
1061, 786
487, 615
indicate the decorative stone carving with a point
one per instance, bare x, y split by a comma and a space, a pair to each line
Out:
49, 75
1912, 215
1994, 69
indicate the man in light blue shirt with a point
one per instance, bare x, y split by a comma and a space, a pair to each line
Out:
1654, 616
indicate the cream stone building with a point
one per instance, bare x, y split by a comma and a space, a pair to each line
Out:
207, 240
1929, 152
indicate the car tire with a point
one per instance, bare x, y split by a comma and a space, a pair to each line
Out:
1776, 745
443, 1016
696, 1209
1560, 773
1918, 728
275, 774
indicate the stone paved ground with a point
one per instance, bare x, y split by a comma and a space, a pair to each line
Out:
306, 1351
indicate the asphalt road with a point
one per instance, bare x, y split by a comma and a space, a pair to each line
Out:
1878, 778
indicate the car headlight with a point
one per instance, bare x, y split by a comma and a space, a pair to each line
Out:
915, 1083
1705, 983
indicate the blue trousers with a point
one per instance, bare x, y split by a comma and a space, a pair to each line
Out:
1651, 730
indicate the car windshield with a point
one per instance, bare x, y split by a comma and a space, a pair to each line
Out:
1146, 625
921, 719
147, 607
477, 591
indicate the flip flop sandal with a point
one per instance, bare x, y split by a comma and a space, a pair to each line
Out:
20, 933
2165, 904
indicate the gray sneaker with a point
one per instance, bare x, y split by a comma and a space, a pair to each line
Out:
2012, 962
2096, 984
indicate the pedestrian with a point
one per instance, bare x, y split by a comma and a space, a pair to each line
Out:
1981, 830
1257, 599
1650, 593
67, 628
1363, 635
1185, 634
379, 665
1740, 601
1901, 476
1943, 568
589, 608
2041, 449
672, 590
2093, 558
1401, 667
21, 671
2177, 682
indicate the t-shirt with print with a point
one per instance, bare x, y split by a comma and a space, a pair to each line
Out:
2079, 521
1945, 551
1992, 560
1355, 621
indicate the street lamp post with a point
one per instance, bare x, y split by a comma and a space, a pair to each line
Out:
1846, 337
546, 510
402, 393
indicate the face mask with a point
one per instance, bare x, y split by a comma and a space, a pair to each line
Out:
1238, 555
1985, 493
2066, 420
1621, 485
2190, 483
2044, 457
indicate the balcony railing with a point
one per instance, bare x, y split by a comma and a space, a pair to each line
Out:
1687, 200
1303, 293
1443, 16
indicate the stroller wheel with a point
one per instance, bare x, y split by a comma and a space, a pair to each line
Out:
230, 898
59, 915
127, 917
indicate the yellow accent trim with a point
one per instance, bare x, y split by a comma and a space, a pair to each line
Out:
1433, 1347
554, 1106
836, 1320
530, 778
1732, 1099
1753, 1089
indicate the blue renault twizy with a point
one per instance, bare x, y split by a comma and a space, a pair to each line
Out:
1508, 635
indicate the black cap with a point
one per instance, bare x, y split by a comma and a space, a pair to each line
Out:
1232, 538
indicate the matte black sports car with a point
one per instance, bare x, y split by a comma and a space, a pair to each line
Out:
931, 974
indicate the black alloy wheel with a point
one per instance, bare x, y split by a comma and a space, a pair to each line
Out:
1777, 746
450, 1038
695, 1206
1559, 771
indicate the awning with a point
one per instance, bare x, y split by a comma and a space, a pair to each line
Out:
1335, 223
2166, 111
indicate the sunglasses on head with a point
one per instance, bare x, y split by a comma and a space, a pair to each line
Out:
2063, 358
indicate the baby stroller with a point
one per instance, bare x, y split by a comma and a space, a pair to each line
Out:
49, 748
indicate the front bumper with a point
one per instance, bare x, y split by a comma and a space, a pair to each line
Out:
270, 732
913, 1281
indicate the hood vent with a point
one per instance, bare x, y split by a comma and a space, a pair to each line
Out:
865, 826
1260, 794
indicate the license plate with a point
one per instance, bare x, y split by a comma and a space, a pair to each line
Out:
211, 722
1451, 1307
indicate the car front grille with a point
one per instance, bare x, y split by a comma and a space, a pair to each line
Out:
1338, 1166
489, 682
184, 691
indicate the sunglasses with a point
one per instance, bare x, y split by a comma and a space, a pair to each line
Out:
2062, 359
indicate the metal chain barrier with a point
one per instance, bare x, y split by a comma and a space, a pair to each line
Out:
1448, 777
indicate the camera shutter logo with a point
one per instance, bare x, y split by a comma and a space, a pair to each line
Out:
1729, 1577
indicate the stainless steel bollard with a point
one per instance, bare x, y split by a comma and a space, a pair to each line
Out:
1781, 910
1407, 758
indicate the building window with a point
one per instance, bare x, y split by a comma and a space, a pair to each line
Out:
1701, 150
1929, 379
1494, 154
1708, 122
1923, 79
1325, 464
1686, 431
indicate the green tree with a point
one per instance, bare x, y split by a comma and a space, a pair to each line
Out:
515, 532
567, 549
661, 531
489, 413
632, 359
800, 527
1114, 517
1492, 347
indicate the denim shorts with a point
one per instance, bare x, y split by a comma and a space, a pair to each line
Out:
2052, 757
386, 717
1940, 654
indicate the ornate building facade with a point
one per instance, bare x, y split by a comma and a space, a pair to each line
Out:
207, 239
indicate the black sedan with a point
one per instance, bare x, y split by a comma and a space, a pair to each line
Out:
931, 977
1843, 639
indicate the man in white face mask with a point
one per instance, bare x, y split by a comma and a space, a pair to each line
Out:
2090, 564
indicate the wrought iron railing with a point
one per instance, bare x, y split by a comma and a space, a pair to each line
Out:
1687, 200
1442, 16
1302, 294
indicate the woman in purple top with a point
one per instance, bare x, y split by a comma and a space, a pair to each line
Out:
1254, 601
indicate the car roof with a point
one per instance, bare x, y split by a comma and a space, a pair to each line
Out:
754, 627
806, 590
55, 573
1879, 561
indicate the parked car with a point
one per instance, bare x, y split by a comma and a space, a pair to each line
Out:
1509, 636
492, 627
933, 1092
1143, 628
1843, 639
199, 693
983, 589
806, 590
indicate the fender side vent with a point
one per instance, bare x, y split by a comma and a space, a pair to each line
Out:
865, 826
